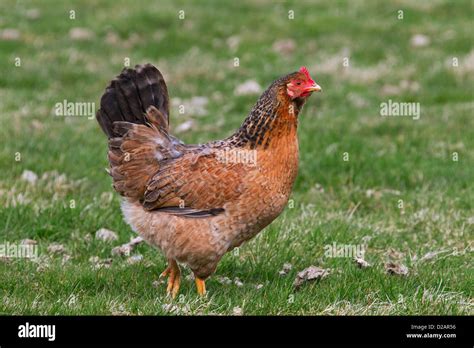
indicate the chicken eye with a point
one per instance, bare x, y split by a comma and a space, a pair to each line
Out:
298, 83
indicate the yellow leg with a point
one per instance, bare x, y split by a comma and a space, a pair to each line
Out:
201, 286
174, 277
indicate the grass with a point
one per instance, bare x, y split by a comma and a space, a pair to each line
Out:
400, 194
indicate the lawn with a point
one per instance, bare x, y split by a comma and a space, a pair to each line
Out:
401, 188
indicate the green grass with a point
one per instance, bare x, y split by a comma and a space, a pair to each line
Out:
346, 202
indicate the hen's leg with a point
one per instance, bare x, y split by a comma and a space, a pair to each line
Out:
201, 286
174, 277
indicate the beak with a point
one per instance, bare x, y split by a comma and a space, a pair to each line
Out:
314, 88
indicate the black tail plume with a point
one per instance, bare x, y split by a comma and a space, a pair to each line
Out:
128, 97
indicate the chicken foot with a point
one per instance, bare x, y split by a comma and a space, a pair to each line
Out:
174, 278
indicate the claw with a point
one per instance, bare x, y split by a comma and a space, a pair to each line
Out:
166, 272
174, 278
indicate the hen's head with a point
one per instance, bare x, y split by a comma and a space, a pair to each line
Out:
301, 85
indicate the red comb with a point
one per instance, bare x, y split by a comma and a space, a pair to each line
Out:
306, 72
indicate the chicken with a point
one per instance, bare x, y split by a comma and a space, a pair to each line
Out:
197, 202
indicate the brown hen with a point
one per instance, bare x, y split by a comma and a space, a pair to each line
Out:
197, 202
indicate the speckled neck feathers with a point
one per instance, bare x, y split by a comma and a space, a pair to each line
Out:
273, 115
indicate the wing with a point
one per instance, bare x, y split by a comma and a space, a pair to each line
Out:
199, 183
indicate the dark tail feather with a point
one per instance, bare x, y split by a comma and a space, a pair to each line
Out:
129, 96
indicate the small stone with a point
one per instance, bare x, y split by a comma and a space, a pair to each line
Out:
396, 269
32, 13
135, 259
419, 40
65, 259
361, 262
119, 311
433, 254
285, 47
126, 249
185, 126
249, 87
80, 34
98, 263
29, 176
233, 43
390, 89
170, 308
9, 34
310, 274
123, 250
106, 235
224, 280
237, 311
286, 269
238, 282
56, 248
